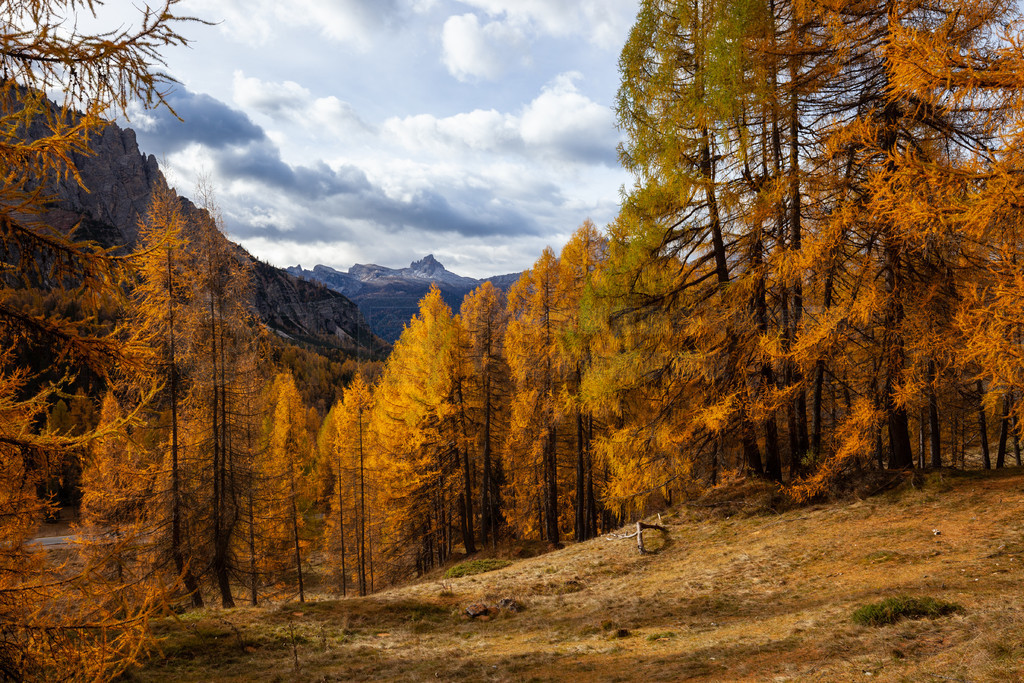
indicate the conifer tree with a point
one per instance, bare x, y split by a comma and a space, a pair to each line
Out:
285, 471
416, 424
581, 257
483, 317
224, 367
348, 442
162, 308
53, 630
535, 317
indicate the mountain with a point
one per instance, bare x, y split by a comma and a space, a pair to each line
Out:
120, 181
389, 297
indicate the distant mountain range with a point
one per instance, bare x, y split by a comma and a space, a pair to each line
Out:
389, 297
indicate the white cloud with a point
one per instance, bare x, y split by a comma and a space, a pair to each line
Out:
602, 22
345, 21
276, 100
479, 130
559, 123
289, 101
474, 51
563, 119
352, 22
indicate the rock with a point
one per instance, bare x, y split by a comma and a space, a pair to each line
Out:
510, 605
478, 609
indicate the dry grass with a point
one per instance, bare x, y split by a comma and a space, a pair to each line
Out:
745, 594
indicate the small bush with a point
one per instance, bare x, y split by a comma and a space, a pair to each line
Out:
891, 610
475, 567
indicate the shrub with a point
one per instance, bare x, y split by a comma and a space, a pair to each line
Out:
891, 610
475, 567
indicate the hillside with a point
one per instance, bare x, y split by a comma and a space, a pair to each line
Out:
738, 592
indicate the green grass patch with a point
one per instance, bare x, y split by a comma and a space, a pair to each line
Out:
475, 567
892, 610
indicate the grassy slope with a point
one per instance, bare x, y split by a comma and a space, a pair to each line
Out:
728, 596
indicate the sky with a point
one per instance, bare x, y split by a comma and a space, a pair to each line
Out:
338, 132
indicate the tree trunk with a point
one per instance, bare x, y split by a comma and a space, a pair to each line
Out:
468, 540
341, 528
1016, 441
295, 531
487, 532
933, 419
362, 507
253, 574
1004, 429
580, 530
921, 437
551, 486
187, 577
986, 460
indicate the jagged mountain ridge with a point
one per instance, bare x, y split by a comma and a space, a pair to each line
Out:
389, 297
120, 181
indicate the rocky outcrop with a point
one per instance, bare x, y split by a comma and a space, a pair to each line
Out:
310, 312
119, 183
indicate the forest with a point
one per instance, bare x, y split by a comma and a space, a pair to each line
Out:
818, 271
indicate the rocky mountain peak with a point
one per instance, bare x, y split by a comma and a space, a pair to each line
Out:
427, 266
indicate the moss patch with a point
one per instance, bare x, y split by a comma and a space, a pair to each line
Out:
475, 567
892, 610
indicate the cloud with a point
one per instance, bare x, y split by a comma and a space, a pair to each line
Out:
204, 120
480, 130
266, 195
602, 22
345, 21
290, 102
565, 121
351, 22
560, 123
473, 51
276, 100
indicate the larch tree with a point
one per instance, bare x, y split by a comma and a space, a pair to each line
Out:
162, 309
483, 316
535, 318
418, 428
285, 470
703, 143
117, 522
54, 630
351, 506
647, 379
578, 263
218, 409
906, 157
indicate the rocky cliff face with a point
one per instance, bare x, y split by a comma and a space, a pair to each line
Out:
389, 297
120, 181
310, 312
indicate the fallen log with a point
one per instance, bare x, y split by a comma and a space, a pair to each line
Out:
639, 534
